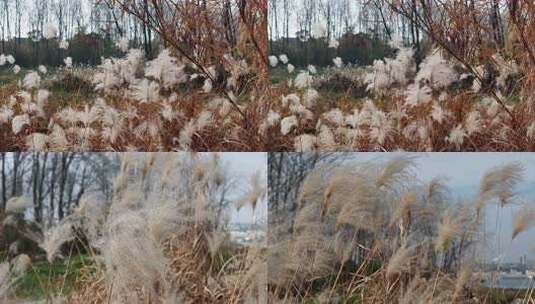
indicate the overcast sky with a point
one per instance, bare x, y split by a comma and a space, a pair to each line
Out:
464, 172
244, 165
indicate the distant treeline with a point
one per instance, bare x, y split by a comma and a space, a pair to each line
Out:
361, 49
83, 49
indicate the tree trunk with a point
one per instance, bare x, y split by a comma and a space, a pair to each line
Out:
4, 196
35, 176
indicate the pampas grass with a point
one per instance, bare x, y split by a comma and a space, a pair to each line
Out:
5, 279
372, 233
400, 103
524, 219
399, 262
162, 238
499, 182
447, 231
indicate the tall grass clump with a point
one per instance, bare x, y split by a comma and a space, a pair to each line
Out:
373, 233
163, 237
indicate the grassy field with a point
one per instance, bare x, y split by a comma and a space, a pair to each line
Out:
7, 77
503, 296
280, 73
44, 280
66, 89
334, 92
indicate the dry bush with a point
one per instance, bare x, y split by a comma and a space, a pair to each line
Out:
231, 27
163, 104
469, 92
201, 93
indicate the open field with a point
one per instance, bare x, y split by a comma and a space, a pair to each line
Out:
110, 108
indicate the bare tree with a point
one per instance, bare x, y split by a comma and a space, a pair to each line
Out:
286, 174
55, 182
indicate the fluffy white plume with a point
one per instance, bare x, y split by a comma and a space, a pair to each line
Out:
64, 45
21, 264
68, 62
19, 122
417, 95
54, 238
305, 143
273, 61
42, 69
457, 136
438, 114
303, 80
5, 114
338, 62
166, 69
288, 123
207, 87
37, 142
384, 74
436, 71
10, 59
146, 91
290, 68
333, 43
32, 80
309, 97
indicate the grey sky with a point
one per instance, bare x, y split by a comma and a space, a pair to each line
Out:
244, 165
29, 15
297, 8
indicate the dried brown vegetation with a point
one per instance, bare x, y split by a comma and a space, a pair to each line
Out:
473, 65
371, 233
164, 237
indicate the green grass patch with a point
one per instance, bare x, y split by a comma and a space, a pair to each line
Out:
7, 76
43, 279
280, 73
68, 90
